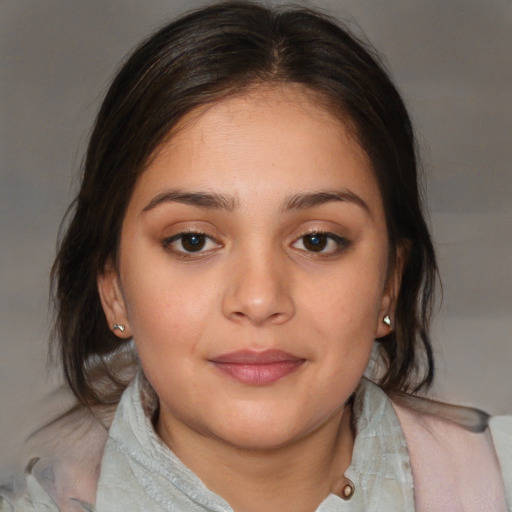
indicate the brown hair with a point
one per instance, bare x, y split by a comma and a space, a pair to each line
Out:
200, 58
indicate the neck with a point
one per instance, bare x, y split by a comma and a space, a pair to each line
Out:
296, 477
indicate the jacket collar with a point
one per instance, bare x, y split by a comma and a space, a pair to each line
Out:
153, 476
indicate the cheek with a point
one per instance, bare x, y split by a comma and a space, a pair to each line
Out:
167, 328
171, 313
351, 297
345, 311
156, 285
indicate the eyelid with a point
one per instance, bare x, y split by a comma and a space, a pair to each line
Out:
342, 243
174, 231
168, 241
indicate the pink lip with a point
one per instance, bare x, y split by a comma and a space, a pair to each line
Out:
257, 368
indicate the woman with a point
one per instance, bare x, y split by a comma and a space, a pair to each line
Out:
248, 225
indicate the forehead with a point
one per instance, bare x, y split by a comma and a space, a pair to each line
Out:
261, 111
265, 140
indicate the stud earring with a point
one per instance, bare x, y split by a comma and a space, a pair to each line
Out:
118, 327
387, 320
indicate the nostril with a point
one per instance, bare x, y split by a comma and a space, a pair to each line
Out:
259, 298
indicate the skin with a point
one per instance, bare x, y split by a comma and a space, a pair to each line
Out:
257, 285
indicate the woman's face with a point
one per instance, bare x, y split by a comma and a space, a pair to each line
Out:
252, 270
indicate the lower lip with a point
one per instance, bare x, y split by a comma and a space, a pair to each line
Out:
259, 374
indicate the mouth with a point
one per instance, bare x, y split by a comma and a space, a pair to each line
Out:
257, 368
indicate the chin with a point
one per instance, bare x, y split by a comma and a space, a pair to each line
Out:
258, 440
261, 433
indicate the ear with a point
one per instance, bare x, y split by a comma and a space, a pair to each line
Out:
112, 301
390, 295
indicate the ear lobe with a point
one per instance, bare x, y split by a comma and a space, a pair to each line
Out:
387, 311
388, 305
112, 302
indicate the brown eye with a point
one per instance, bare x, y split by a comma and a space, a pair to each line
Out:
193, 242
323, 244
190, 243
315, 242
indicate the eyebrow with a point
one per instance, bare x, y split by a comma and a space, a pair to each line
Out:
216, 201
312, 199
208, 200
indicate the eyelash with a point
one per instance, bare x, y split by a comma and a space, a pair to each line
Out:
184, 254
341, 244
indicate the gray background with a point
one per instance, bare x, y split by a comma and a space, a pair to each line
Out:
452, 59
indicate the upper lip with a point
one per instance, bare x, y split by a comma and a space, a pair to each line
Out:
255, 357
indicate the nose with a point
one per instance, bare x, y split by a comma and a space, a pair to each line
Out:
258, 290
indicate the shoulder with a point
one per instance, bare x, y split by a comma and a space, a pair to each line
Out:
501, 430
453, 457
62, 462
